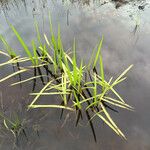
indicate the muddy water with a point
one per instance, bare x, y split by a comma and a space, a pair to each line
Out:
124, 44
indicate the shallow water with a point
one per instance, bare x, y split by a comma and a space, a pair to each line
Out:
123, 45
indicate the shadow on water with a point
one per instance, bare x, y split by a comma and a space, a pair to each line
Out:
126, 42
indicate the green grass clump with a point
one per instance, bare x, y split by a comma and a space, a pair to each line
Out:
14, 125
81, 88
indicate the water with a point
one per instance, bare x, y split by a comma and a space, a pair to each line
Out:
123, 45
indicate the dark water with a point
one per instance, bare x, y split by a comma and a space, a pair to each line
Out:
124, 44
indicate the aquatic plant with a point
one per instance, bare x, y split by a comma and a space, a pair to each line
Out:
81, 88
14, 125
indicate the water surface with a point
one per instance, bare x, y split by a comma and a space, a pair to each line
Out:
124, 44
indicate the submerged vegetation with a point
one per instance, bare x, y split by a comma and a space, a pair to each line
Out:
81, 88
